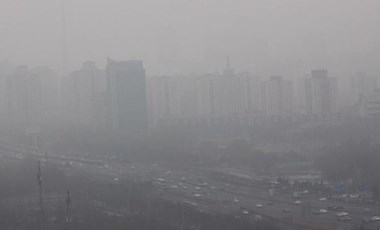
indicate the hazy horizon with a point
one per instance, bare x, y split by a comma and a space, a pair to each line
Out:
287, 37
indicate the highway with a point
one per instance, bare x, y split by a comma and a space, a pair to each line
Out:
195, 186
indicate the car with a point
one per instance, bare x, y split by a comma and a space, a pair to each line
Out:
270, 203
204, 184
286, 210
198, 188
344, 218
322, 199
323, 211
259, 205
190, 203
161, 180
235, 200
341, 214
297, 202
374, 218
354, 196
335, 208
245, 212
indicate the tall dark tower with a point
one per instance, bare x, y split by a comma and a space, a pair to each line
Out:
64, 39
126, 89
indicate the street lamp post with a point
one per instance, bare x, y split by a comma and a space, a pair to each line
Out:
68, 202
39, 181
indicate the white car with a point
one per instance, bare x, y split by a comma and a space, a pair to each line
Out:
197, 195
323, 211
259, 205
298, 202
245, 212
341, 214
198, 188
354, 196
374, 218
235, 200
344, 218
322, 199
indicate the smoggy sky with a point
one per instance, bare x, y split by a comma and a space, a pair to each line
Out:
287, 37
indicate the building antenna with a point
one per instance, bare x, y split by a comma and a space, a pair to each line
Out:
64, 39
228, 62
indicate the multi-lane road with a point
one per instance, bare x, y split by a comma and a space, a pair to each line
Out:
195, 186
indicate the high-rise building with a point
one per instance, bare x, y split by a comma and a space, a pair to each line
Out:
321, 93
80, 93
362, 85
371, 106
3, 100
49, 88
206, 97
17, 97
209, 98
126, 87
277, 97
23, 93
162, 99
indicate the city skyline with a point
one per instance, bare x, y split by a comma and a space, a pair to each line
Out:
110, 97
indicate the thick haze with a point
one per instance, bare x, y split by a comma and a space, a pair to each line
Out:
287, 37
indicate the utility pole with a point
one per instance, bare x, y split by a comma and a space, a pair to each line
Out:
35, 140
46, 158
39, 180
183, 216
68, 202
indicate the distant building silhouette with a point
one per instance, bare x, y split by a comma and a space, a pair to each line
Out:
277, 97
82, 92
321, 94
23, 93
371, 105
362, 85
49, 88
126, 89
